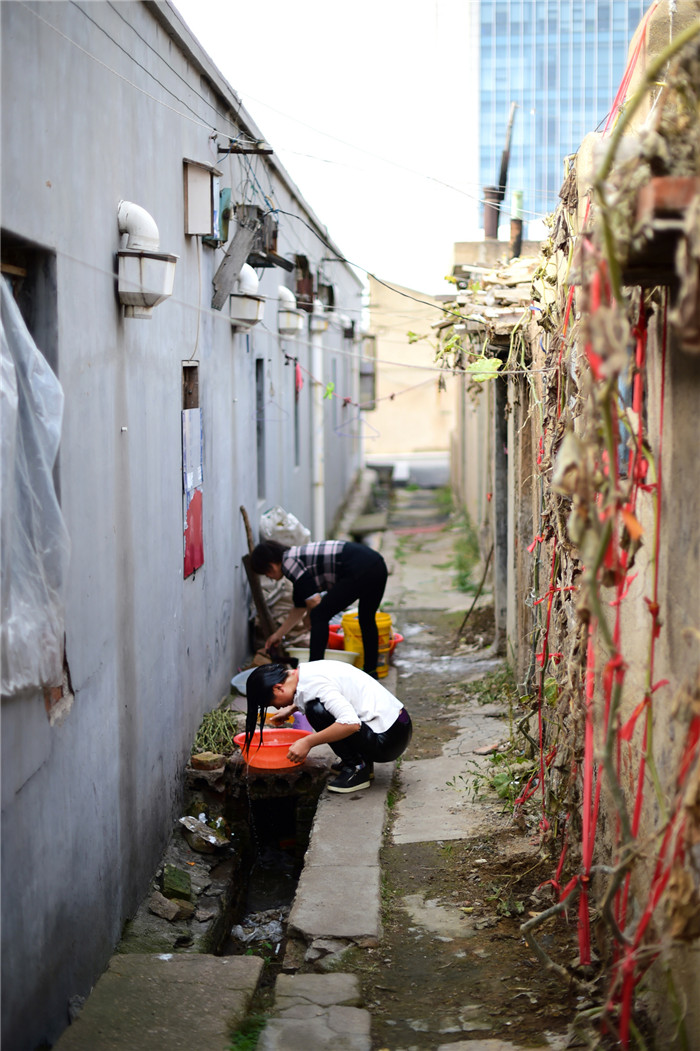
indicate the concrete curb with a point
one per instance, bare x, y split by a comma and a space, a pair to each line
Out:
165, 1003
339, 889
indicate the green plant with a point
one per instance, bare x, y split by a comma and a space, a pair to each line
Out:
400, 553
248, 1032
265, 949
498, 687
444, 499
216, 732
466, 551
388, 892
506, 903
510, 772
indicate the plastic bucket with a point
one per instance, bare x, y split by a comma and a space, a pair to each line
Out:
353, 640
335, 638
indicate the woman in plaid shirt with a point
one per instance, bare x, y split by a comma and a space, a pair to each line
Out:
344, 571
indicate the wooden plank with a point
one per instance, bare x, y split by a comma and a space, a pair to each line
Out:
248, 530
236, 255
264, 616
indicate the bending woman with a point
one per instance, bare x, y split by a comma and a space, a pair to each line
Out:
345, 571
362, 721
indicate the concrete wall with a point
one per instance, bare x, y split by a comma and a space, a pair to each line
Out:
470, 460
102, 103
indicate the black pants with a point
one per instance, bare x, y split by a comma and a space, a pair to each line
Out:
365, 744
363, 577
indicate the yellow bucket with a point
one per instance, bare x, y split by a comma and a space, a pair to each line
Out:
353, 640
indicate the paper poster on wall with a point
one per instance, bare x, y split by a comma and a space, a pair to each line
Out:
194, 546
192, 475
191, 449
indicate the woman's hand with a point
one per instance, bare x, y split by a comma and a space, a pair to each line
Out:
273, 639
282, 714
298, 750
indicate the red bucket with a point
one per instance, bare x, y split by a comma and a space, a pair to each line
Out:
336, 639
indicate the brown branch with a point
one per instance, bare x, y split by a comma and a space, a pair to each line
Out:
469, 611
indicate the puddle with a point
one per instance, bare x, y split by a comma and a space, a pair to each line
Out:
418, 662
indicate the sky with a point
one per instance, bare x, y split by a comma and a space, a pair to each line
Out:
367, 106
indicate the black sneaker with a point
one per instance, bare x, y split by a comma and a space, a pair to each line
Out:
350, 779
338, 765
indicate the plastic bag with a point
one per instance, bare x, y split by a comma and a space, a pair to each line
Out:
278, 524
34, 539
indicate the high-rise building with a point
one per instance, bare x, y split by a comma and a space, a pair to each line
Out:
560, 62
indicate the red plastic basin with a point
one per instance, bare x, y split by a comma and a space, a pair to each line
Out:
272, 753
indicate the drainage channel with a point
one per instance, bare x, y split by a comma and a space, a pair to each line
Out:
228, 877
279, 825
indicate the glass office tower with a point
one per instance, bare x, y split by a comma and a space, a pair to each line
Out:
561, 62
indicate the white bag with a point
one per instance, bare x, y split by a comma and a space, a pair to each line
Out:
278, 524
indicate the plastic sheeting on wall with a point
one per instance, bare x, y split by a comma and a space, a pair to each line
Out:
34, 538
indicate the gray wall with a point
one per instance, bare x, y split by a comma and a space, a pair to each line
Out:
104, 109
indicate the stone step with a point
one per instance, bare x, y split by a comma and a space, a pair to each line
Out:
168, 1002
319, 1011
363, 525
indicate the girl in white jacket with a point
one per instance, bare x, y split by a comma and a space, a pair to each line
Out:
349, 710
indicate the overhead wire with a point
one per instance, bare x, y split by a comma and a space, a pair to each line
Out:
192, 116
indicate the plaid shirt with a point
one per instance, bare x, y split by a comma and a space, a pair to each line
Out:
312, 568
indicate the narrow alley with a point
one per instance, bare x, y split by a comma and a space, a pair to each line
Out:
236, 324
410, 941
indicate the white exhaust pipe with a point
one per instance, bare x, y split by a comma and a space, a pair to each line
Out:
139, 226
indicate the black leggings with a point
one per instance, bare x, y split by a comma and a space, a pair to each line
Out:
368, 586
365, 744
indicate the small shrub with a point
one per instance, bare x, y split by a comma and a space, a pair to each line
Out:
246, 1036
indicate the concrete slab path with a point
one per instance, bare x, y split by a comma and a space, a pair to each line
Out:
315, 1012
435, 804
338, 895
165, 1003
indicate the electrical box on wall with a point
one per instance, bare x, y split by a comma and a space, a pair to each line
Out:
202, 200
222, 217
